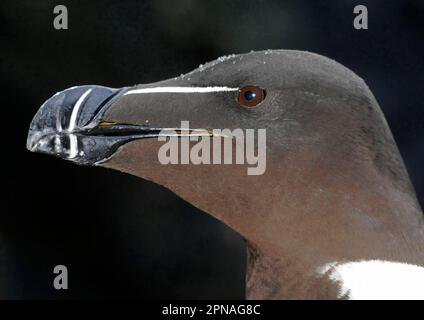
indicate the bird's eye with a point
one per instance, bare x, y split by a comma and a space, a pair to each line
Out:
250, 96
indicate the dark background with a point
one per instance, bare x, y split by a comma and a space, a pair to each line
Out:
121, 236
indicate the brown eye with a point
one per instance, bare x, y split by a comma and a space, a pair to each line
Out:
250, 96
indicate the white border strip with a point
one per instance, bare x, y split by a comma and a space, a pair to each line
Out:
180, 90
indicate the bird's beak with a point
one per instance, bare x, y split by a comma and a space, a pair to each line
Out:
70, 125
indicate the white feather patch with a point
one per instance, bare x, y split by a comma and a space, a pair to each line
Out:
377, 280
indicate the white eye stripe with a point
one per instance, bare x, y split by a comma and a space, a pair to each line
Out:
180, 90
74, 114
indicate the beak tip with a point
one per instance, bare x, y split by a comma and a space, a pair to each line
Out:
56, 126
30, 143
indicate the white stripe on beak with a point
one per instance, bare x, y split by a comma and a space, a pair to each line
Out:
73, 146
73, 140
74, 114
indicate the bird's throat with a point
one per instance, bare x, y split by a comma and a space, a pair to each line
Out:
281, 278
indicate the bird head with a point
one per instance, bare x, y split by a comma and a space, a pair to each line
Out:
321, 121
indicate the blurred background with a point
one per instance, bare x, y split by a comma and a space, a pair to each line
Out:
121, 236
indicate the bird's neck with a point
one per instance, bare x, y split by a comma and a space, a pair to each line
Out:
271, 277
369, 219
279, 277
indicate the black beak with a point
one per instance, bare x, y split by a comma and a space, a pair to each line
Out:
69, 125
